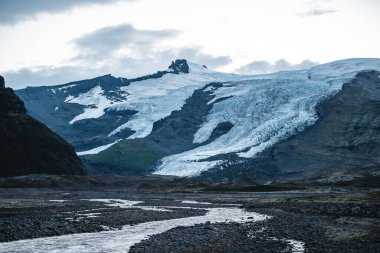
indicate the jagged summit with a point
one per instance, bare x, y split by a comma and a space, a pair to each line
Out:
9, 102
179, 66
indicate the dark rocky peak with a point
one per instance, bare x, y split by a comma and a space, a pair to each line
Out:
2, 82
9, 101
179, 66
105, 78
176, 67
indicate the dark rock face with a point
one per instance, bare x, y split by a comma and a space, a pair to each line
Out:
10, 102
175, 133
221, 129
2, 82
176, 67
29, 147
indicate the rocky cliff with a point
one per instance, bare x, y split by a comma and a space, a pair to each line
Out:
28, 146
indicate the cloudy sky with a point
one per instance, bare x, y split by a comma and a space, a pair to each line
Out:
46, 42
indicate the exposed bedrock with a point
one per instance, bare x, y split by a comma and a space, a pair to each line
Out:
175, 133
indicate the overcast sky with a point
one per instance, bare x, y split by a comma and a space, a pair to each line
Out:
46, 42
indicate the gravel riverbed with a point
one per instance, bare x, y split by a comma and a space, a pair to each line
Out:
297, 221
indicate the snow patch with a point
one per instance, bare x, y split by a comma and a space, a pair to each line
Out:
97, 149
96, 103
64, 88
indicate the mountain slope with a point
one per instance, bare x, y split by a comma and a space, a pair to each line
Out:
100, 111
192, 121
29, 147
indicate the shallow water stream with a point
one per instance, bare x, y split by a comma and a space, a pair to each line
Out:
121, 240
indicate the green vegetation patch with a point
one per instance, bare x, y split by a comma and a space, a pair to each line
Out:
127, 157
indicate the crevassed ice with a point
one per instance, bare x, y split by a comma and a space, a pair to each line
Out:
263, 111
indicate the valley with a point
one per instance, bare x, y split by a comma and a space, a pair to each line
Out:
148, 126
139, 217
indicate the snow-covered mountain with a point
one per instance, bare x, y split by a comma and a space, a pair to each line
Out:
188, 120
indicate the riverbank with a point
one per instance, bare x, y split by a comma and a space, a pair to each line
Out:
319, 219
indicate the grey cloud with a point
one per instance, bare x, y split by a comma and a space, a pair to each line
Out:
194, 54
147, 60
105, 41
316, 12
13, 11
125, 67
45, 75
99, 54
103, 46
263, 67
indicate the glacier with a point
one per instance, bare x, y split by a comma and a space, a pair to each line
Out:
263, 109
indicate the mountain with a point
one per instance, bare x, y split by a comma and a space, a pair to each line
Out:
29, 147
191, 121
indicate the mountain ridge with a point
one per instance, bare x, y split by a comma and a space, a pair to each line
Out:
271, 108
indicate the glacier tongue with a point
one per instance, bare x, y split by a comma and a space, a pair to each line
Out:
263, 111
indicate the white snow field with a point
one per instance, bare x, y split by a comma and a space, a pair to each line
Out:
155, 99
264, 109
122, 240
